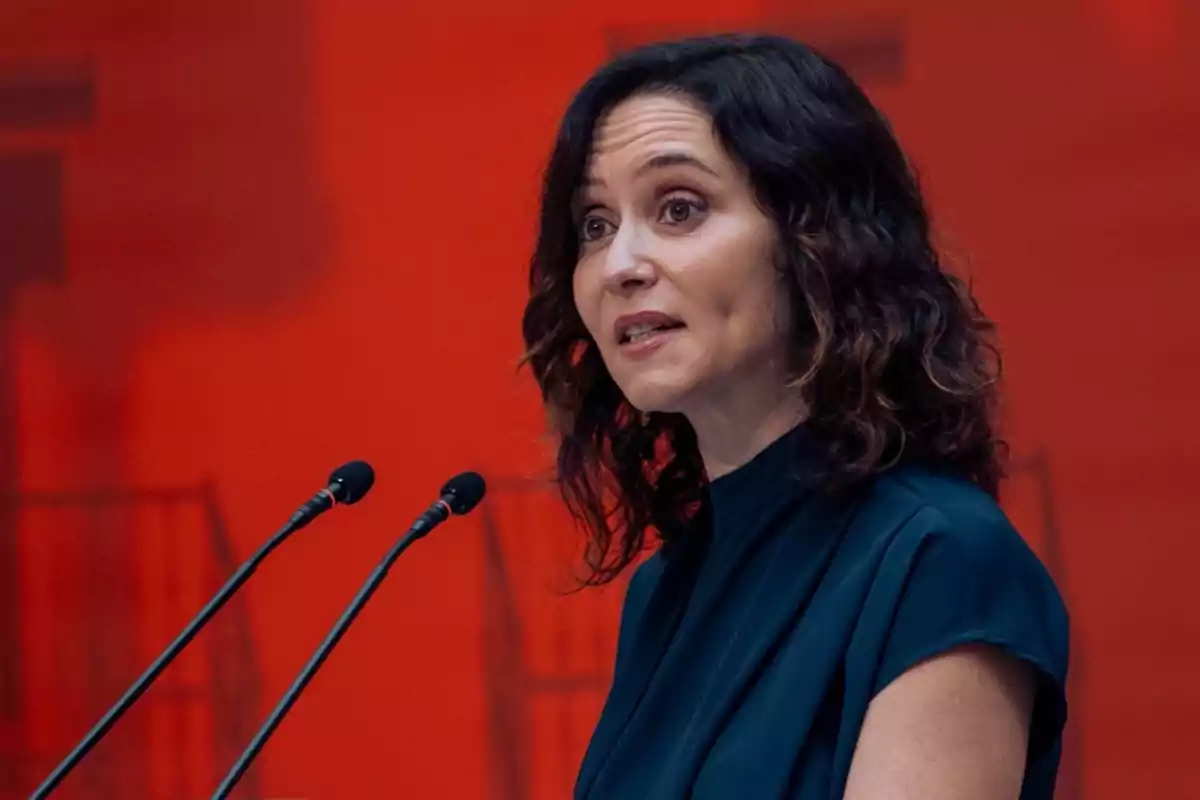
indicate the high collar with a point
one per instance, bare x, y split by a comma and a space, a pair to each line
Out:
771, 478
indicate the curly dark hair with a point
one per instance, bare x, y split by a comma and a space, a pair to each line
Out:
894, 358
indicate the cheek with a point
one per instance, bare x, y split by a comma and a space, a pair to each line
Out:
586, 296
748, 309
742, 296
772, 318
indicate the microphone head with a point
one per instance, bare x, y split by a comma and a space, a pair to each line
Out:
464, 491
352, 482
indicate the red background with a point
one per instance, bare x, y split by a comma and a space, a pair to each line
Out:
296, 233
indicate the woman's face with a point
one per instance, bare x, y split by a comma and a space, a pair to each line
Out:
676, 281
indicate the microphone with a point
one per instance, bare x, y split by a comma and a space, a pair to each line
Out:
459, 496
347, 485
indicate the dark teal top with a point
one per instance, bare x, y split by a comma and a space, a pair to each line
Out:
748, 653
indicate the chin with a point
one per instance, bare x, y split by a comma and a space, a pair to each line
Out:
655, 395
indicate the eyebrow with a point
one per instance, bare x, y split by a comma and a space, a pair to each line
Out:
664, 161
674, 159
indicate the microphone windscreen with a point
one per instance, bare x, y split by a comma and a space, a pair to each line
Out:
356, 479
464, 491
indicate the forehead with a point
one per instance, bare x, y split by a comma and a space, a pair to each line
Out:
647, 124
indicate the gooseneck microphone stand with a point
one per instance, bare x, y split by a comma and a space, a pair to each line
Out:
347, 485
459, 496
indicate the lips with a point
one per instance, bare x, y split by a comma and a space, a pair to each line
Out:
639, 327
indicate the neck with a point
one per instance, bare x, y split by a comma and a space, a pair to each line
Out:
730, 434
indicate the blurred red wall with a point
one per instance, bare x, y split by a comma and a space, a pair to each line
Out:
297, 234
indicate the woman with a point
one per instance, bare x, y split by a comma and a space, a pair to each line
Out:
752, 353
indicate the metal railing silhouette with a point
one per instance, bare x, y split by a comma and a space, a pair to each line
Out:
547, 661
167, 550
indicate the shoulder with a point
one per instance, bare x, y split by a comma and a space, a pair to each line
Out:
954, 531
958, 573
940, 500
945, 519
961, 599
644, 578
640, 587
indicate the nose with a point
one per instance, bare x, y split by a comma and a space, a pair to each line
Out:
629, 265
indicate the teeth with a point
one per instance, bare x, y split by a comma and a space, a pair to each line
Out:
636, 333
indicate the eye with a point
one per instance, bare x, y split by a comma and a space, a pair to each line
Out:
680, 210
593, 228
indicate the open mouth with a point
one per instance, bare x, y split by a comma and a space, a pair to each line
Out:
641, 332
